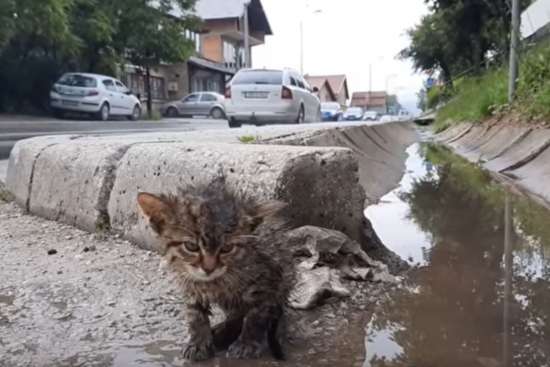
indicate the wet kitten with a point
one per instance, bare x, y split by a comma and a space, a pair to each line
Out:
209, 240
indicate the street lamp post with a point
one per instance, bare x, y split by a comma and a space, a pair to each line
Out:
246, 36
317, 11
514, 45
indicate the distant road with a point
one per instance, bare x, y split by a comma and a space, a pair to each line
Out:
13, 129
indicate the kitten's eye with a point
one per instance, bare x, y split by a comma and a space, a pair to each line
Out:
227, 248
191, 246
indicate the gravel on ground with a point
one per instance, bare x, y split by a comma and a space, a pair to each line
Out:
71, 298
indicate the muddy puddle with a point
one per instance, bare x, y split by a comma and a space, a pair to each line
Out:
479, 292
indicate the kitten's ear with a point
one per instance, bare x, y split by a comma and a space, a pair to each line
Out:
156, 210
268, 209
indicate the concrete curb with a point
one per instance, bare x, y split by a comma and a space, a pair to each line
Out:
520, 155
92, 182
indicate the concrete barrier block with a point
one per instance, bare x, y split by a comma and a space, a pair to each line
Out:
379, 149
19, 176
72, 182
319, 184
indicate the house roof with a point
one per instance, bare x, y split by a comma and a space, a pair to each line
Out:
320, 82
338, 83
226, 9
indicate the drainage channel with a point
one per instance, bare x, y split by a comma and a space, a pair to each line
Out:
478, 293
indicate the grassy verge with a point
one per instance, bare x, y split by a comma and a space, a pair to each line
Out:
475, 99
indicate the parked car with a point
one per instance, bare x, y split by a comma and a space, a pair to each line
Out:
258, 96
388, 118
200, 103
100, 95
404, 115
370, 116
353, 114
331, 111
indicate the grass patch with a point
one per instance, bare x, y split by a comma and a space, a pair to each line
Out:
474, 99
155, 116
249, 139
5, 195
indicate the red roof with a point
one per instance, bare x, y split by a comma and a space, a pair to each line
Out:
338, 83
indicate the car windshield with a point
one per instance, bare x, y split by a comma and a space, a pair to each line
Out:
77, 80
354, 111
330, 106
269, 77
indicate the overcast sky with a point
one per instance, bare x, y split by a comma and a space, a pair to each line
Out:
345, 38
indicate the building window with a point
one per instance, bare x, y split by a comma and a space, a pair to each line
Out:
195, 38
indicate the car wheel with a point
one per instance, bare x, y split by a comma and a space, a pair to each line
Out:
104, 112
136, 113
217, 113
234, 123
172, 112
301, 115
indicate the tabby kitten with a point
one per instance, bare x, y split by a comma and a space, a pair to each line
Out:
209, 241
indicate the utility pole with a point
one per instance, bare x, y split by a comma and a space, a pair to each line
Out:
514, 46
370, 77
246, 36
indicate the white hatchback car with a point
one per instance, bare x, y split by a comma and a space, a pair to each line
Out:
97, 94
259, 96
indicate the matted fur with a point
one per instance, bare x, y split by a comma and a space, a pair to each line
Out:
209, 239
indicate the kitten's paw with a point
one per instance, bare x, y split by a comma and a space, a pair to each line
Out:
240, 350
198, 352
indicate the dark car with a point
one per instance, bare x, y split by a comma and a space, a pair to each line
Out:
353, 114
331, 111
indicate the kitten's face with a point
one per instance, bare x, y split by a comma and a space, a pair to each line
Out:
205, 235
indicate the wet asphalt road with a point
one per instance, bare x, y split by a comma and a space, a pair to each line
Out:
13, 129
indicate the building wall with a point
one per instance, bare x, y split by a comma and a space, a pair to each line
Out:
212, 47
341, 98
218, 26
168, 82
535, 17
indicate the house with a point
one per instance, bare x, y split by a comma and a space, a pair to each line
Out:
371, 101
325, 94
335, 90
219, 51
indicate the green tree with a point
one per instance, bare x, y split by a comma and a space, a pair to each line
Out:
7, 11
460, 35
39, 40
430, 48
148, 37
